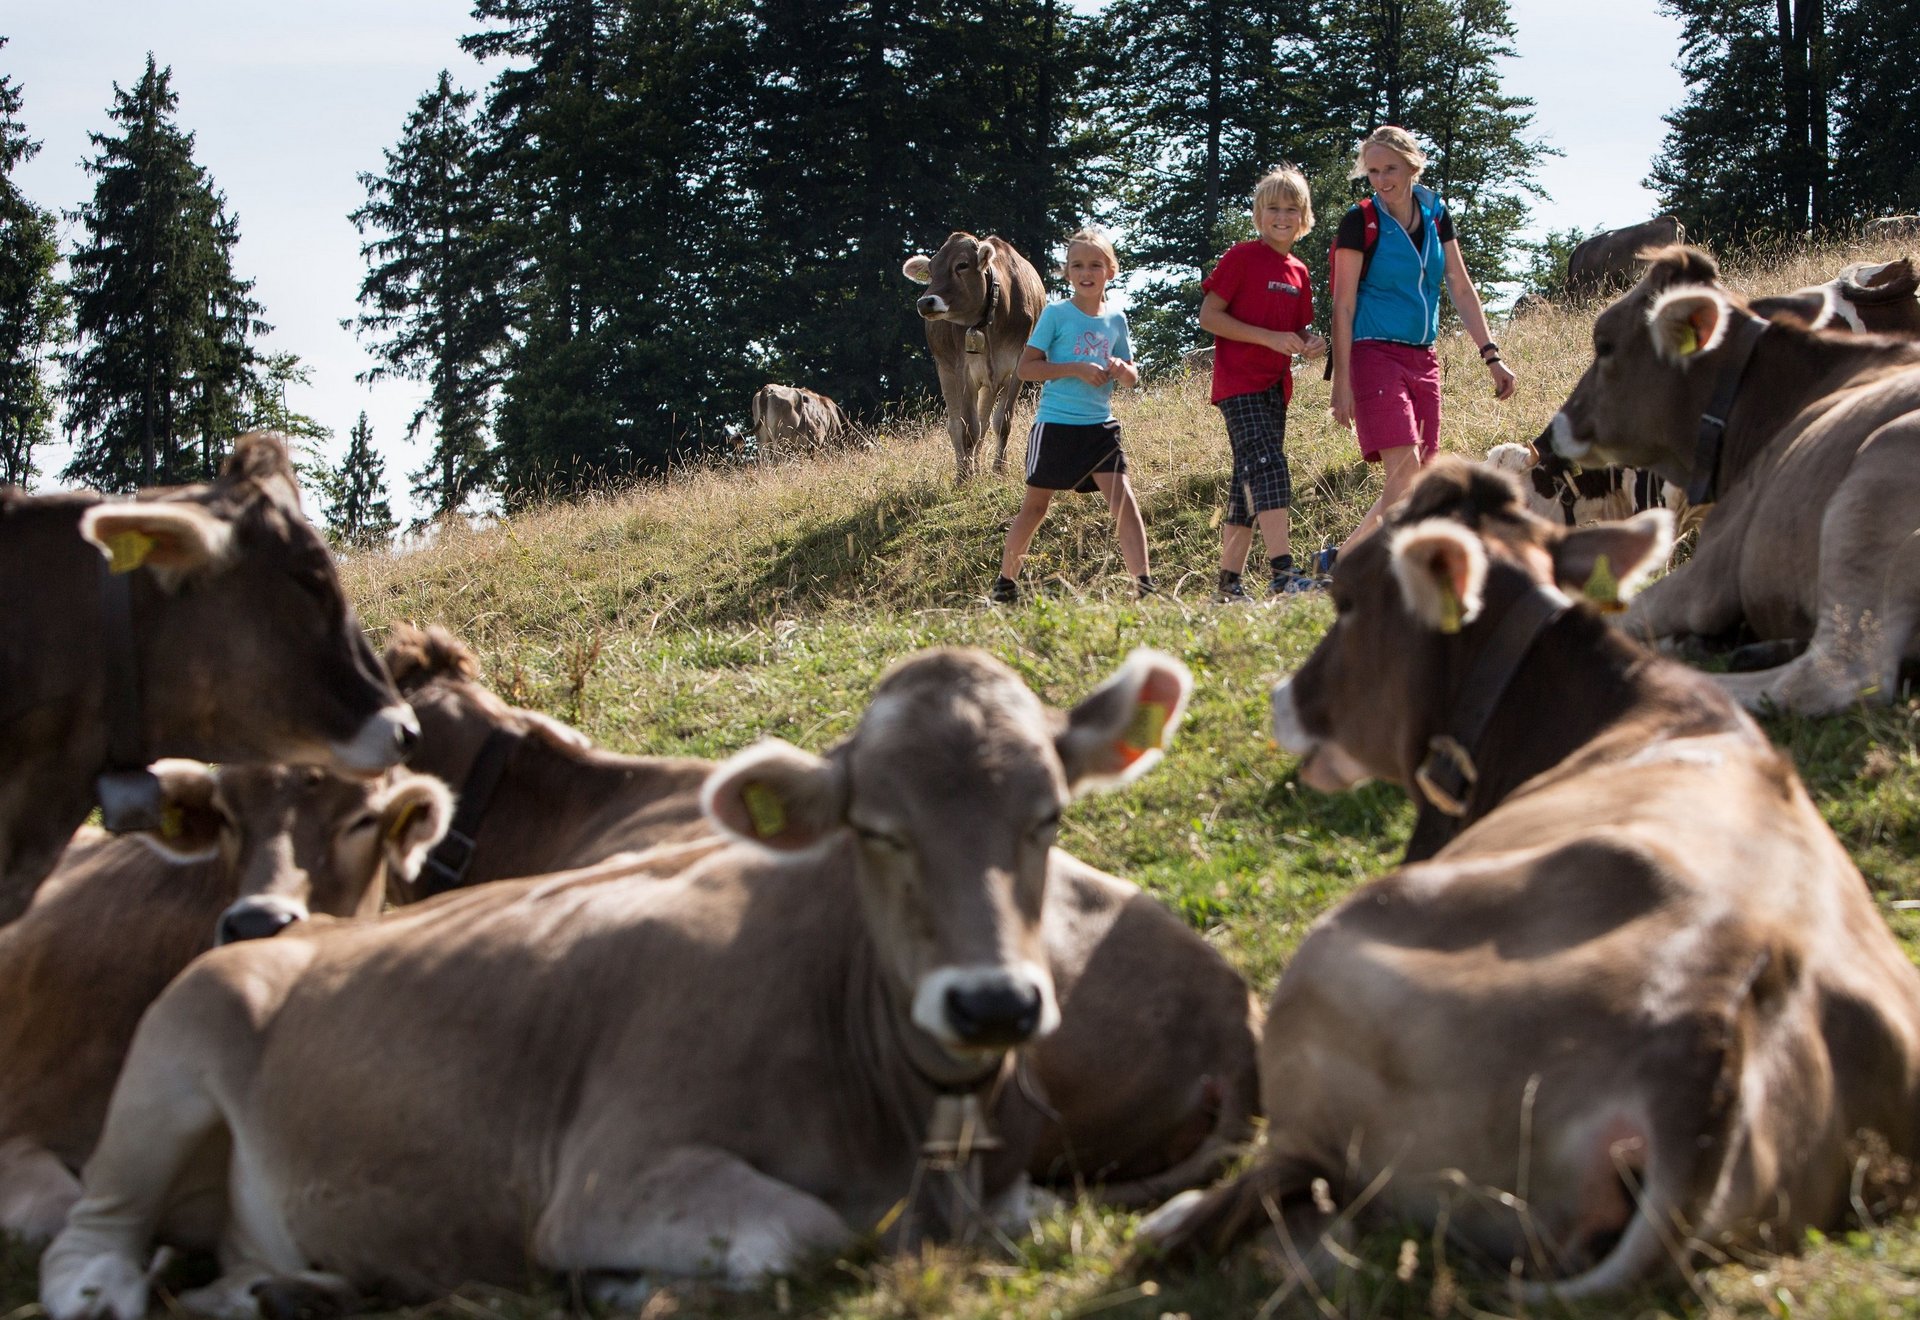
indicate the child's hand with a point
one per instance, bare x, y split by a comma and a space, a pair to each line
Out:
1124, 373
1285, 341
1093, 373
1315, 348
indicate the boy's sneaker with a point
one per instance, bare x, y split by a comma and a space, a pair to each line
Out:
1286, 582
1004, 591
1231, 590
1323, 561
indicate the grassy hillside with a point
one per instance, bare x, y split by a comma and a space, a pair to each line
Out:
693, 615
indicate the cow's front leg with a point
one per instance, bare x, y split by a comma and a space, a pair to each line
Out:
694, 1211
963, 410
36, 1191
1002, 400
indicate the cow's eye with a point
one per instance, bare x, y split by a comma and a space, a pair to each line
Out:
880, 838
366, 820
1603, 348
1047, 826
963, 265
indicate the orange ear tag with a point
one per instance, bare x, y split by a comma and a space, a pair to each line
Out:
128, 550
1146, 732
764, 808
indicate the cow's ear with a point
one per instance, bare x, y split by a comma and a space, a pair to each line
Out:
1442, 570
777, 796
1125, 725
983, 252
174, 539
1689, 320
413, 819
1607, 562
190, 820
918, 268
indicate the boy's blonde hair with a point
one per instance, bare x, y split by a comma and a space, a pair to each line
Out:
1097, 239
1394, 139
1286, 186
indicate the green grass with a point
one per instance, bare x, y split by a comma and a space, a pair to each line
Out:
696, 614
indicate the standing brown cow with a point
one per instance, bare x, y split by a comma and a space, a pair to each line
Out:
787, 413
204, 621
981, 302
1638, 1005
1608, 259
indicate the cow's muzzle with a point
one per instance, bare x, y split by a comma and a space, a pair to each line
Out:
384, 741
986, 1008
258, 918
931, 306
1563, 441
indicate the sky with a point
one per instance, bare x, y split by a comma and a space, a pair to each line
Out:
289, 101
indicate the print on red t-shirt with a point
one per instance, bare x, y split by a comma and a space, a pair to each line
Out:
1266, 289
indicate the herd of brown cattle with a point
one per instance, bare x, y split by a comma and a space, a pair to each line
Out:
1626, 1001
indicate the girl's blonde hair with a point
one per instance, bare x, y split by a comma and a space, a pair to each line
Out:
1098, 240
1394, 139
1286, 186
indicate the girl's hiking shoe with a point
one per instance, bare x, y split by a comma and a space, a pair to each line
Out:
1004, 591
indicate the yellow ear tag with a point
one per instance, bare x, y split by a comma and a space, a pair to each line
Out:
764, 808
1146, 732
402, 823
1602, 588
1450, 611
1689, 342
128, 550
172, 822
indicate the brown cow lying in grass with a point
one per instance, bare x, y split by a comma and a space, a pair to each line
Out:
1870, 299
1145, 1094
205, 621
1814, 476
719, 1073
244, 851
1642, 1002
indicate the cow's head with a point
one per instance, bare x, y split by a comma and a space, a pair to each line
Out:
297, 840
1373, 693
247, 650
1657, 354
947, 798
956, 279
440, 679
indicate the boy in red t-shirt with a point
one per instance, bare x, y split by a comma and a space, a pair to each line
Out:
1258, 306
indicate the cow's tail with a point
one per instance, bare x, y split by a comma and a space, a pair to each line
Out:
1291, 1193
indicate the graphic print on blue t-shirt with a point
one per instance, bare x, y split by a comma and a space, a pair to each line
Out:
1067, 334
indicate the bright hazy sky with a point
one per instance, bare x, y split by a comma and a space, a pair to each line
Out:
290, 100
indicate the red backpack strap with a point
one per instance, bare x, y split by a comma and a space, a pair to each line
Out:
1369, 240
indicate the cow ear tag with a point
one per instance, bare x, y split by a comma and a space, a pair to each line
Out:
976, 341
128, 550
402, 822
764, 809
1146, 732
172, 822
1602, 588
1689, 342
1450, 611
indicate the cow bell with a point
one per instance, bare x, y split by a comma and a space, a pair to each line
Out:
976, 340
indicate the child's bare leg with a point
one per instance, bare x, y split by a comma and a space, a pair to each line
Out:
1401, 465
1236, 542
1276, 529
1033, 507
1127, 523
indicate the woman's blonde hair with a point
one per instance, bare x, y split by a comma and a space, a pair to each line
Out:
1399, 142
1097, 239
1286, 186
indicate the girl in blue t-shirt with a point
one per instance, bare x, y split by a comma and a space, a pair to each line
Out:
1079, 350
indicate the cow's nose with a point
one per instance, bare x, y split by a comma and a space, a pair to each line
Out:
252, 921
994, 1014
928, 305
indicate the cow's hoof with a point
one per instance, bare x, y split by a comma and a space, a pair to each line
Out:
308, 1296
1159, 1226
104, 1287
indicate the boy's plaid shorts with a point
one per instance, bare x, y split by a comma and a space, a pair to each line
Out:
1257, 432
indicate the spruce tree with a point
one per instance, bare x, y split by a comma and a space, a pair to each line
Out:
439, 277
32, 302
1748, 158
164, 328
355, 495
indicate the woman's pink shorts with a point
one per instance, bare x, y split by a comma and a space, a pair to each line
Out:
1396, 398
